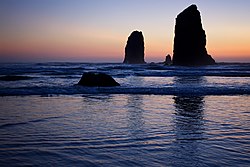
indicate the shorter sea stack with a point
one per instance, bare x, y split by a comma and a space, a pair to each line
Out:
190, 40
134, 50
93, 79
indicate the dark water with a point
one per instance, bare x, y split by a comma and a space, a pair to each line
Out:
60, 78
160, 116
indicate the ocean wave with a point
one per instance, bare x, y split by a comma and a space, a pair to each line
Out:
76, 90
14, 78
192, 73
7, 125
153, 78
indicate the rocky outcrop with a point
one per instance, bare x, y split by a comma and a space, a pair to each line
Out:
134, 50
168, 60
97, 80
190, 39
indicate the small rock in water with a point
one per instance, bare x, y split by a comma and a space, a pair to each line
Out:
97, 80
168, 60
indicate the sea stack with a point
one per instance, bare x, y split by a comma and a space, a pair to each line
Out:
134, 50
190, 40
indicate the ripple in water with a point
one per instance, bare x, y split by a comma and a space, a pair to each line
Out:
125, 130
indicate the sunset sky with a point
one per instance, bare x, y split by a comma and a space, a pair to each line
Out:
97, 30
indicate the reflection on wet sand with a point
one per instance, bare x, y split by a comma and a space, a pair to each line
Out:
135, 118
189, 110
189, 126
189, 106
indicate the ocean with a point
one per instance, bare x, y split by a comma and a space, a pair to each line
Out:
159, 116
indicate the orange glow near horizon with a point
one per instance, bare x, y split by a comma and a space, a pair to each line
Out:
112, 49
83, 43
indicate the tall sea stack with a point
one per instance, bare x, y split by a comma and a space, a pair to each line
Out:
134, 50
190, 40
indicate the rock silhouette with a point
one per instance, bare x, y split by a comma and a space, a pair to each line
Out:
190, 40
168, 60
92, 79
134, 50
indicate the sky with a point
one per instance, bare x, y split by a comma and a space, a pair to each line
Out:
97, 30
